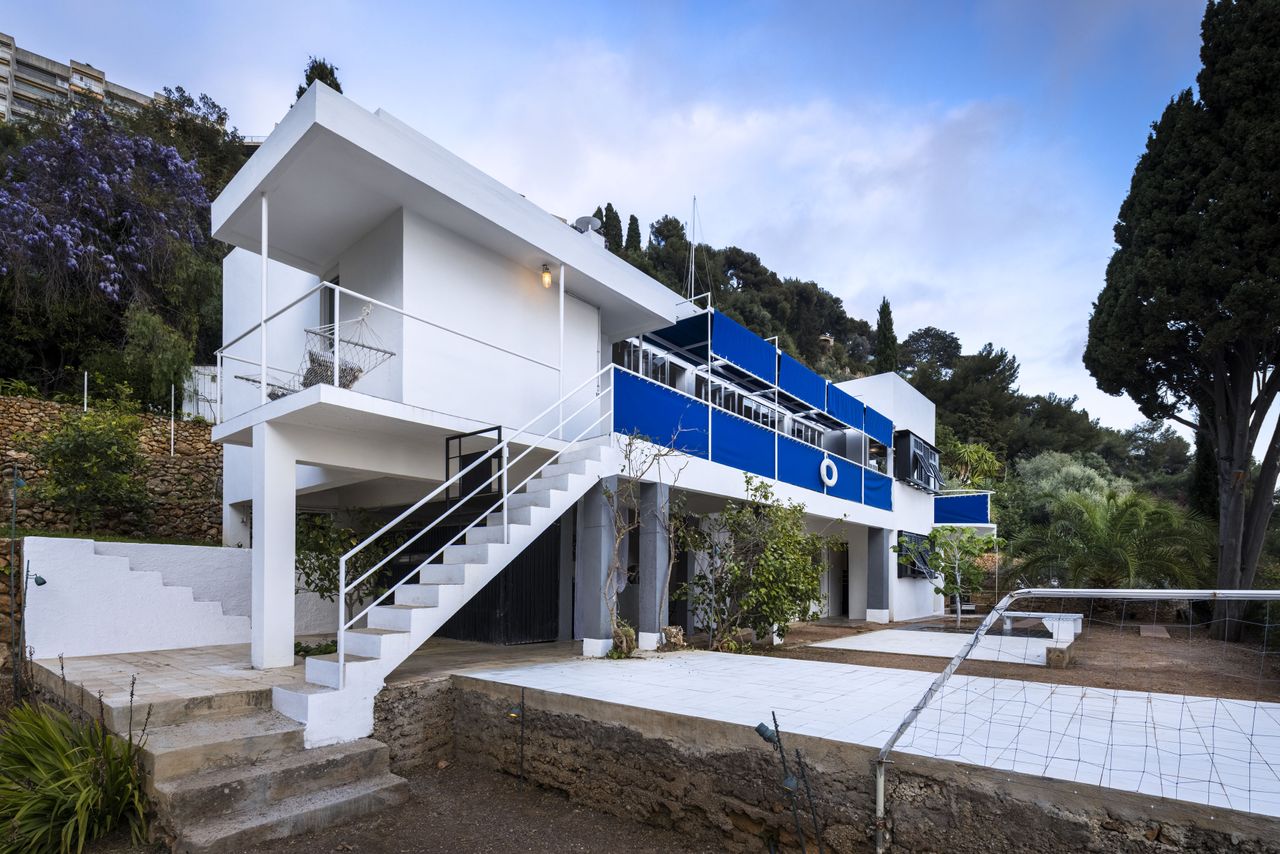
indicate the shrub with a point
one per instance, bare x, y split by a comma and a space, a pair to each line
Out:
762, 571
64, 783
94, 463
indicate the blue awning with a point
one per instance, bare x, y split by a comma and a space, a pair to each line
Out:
735, 343
878, 427
844, 407
661, 415
877, 490
801, 383
970, 509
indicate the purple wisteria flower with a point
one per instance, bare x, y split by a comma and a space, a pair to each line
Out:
95, 205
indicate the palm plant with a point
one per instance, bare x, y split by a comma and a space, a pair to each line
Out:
1116, 540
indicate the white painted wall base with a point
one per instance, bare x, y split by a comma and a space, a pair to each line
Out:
648, 640
104, 598
875, 615
97, 605
596, 647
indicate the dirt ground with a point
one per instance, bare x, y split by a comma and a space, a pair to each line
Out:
461, 808
1104, 656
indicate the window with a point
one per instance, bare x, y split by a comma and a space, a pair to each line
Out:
912, 562
806, 432
916, 462
877, 456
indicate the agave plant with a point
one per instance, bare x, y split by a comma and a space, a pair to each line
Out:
1130, 540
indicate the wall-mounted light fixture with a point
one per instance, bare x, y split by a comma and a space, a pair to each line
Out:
546, 276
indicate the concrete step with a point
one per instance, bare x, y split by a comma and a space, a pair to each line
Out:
593, 452
186, 800
298, 814
559, 481
540, 498
487, 533
427, 595
561, 466
515, 515
375, 643
207, 743
398, 617
323, 669
443, 573
478, 553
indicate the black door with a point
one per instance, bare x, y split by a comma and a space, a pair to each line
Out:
520, 604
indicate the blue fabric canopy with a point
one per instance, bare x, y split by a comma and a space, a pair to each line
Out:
972, 509
801, 383
844, 407
878, 427
735, 343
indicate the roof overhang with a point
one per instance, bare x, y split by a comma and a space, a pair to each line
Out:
332, 171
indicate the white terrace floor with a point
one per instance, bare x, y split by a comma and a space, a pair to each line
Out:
1223, 753
1016, 649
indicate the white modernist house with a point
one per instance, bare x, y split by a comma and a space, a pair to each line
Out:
410, 342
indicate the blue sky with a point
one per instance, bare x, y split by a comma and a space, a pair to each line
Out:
964, 159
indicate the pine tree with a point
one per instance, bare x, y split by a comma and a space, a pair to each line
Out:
320, 69
632, 243
886, 356
612, 228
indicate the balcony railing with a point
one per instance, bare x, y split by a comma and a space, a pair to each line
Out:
343, 349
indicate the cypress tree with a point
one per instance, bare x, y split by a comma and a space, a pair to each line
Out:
632, 243
886, 355
612, 229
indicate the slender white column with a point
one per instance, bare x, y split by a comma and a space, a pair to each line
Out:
274, 511
560, 362
263, 327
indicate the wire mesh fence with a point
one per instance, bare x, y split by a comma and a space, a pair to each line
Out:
1171, 694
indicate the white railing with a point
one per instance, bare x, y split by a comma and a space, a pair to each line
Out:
603, 382
329, 290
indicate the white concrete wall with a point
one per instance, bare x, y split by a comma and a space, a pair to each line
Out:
894, 397
374, 267
472, 291
104, 598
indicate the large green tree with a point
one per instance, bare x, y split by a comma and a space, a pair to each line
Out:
632, 243
1188, 324
612, 229
319, 68
886, 357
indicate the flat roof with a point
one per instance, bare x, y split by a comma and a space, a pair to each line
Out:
333, 170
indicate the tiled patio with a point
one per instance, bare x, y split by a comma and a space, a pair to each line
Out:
1216, 752
1013, 648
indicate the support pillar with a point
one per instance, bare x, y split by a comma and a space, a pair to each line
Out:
655, 547
591, 569
274, 528
881, 573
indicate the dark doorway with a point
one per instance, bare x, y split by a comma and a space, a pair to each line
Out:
520, 604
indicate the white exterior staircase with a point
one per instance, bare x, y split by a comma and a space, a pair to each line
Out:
336, 703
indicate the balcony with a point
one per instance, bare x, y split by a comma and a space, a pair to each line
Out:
712, 389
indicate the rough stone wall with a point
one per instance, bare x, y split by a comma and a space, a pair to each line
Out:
7, 601
186, 489
719, 783
415, 720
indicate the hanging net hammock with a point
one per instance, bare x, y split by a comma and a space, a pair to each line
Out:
360, 351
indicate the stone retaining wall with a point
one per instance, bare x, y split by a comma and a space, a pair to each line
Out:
186, 489
720, 784
415, 720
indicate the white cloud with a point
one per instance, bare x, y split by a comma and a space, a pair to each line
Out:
964, 218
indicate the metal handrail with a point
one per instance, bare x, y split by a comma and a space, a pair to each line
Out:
503, 448
338, 290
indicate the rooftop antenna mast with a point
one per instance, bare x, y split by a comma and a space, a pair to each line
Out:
693, 244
